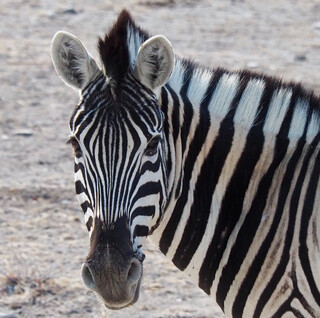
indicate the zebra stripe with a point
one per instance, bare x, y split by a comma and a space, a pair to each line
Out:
268, 165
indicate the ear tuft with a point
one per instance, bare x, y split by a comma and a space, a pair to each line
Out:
155, 62
72, 61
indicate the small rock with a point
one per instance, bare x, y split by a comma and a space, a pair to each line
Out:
300, 58
7, 315
70, 11
23, 132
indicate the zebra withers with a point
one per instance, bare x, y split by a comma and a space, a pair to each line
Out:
219, 168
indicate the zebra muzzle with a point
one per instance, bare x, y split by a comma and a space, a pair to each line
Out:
117, 284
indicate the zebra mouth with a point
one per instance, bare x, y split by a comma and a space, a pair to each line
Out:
135, 289
117, 286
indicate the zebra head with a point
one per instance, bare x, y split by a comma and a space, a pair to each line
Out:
120, 152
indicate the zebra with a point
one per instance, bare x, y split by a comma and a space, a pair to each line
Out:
219, 168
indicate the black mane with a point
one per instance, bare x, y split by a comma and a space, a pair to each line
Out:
114, 50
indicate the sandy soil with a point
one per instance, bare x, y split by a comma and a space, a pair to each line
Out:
42, 238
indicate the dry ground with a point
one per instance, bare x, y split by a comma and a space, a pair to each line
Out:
42, 238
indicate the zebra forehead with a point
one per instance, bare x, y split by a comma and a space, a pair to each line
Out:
110, 125
98, 108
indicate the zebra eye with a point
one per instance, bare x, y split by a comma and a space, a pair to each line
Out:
152, 146
76, 147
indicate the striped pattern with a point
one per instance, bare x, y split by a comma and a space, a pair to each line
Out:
111, 174
248, 177
232, 194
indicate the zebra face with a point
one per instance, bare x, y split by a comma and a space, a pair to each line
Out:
120, 177
120, 156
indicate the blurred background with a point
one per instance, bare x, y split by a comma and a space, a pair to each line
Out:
43, 240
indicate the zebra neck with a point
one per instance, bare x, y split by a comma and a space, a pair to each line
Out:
238, 109
229, 136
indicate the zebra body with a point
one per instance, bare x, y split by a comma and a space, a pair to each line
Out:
219, 168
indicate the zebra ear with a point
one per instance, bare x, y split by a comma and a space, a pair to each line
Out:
155, 62
72, 61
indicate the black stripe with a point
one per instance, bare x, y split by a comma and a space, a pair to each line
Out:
195, 147
79, 187
118, 168
164, 107
146, 189
78, 166
307, 211
149, 210
175, 116
92, 177
90, 184
184, 127
187, 107
151, 166
84, 206
89, 223
176, 126
140, 230
100, 142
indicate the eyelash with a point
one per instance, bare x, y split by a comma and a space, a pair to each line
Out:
152, 147
76, 147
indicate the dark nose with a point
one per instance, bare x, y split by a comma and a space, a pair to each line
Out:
116, 285
132, 277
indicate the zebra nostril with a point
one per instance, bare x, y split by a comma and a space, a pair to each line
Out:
134, 272
87, 276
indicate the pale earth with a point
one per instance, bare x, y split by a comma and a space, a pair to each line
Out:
42, 237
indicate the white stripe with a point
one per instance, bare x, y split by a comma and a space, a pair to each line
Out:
223, 96
176, 79
299, 119
277, 110
313, 127
198, 85
87, 215
247, 109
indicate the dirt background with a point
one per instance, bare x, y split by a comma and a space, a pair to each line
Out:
42, 237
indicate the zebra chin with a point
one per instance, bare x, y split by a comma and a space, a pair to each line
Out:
127, 302
112, 270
